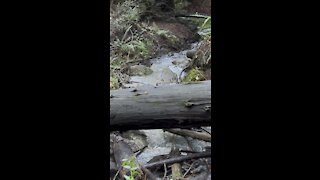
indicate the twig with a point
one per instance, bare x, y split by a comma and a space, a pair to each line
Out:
187, 170
188, 151
178, 159
115, 176
165, 171
192, 134
125, 34
138, 152
147, 172
206, 130
192, 16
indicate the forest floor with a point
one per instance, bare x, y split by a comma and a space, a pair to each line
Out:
146, 33
152, 47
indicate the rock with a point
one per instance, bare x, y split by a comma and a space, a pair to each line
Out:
161, 75
139, 70
207, 74
181, 62
132, 85
190, 54
135, 139
166, 76
113, 169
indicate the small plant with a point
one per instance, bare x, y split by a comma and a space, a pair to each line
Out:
114, 84
135, 48
132, 166
205, 29
206, 23
162, 32
203, 23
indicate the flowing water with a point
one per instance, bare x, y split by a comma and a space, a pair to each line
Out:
166, 69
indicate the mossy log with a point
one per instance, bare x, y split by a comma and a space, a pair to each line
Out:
166, 106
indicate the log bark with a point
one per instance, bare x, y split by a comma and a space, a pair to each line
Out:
166, 106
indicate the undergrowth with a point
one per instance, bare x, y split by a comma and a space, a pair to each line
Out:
134, 39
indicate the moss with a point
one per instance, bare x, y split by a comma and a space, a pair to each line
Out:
114, 83
194, 75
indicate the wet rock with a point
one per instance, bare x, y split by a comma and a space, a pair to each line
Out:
207, 74
135, 139
132, 85
139, 70
167, 76
190, 54
150, 153
182, 62
162, 74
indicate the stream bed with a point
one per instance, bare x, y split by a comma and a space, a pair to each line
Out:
166, 69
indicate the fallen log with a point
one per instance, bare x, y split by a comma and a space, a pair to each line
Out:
166, 106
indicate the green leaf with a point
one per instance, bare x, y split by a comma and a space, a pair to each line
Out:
205, 22
127, 177
127, 167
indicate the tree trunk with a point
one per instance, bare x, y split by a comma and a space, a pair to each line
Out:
167, 106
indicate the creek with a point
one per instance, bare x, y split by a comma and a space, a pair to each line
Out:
166, 69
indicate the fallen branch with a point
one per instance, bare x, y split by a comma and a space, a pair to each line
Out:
192, 134
178, 159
